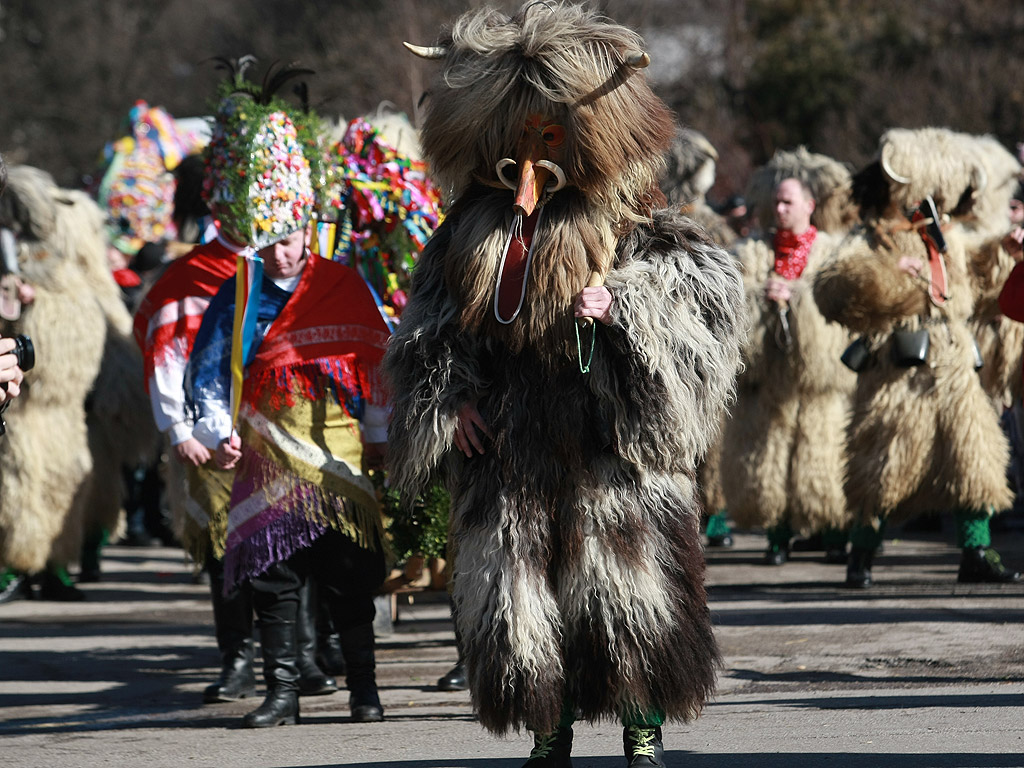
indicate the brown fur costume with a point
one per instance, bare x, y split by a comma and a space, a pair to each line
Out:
921, 438
689, 175
579, 573
44, 457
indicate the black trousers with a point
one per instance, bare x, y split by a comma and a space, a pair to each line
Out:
346, 577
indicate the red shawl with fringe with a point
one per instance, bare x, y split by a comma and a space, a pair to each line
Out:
329, 330
172, 311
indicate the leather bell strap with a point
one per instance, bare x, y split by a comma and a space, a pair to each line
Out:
937, 279
514, 269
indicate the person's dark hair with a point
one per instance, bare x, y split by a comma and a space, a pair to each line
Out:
3, 175
189, 206
149, 257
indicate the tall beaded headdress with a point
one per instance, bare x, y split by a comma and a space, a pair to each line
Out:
263, 158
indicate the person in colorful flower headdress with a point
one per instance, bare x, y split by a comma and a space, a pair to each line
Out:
166, 324
783, 449
284, 385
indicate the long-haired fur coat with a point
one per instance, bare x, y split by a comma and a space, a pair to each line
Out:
784, 447
45, 460
784, 444
119, 420
578, 572
1000, 339
922, 438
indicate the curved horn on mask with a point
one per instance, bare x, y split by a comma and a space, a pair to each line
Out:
558, 173
427, 52
637, 59
499, 168
887, 168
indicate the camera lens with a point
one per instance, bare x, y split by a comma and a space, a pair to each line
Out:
24, 351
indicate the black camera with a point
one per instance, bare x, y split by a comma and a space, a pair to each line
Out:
26, 354
24, 351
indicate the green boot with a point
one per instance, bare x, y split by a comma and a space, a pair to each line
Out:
55, 584
14, 585
718, 532
979, 563
778, 544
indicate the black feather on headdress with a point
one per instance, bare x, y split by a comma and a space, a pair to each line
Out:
275, 77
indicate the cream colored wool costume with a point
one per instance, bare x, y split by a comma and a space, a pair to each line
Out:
783, 452
1000, 339
45, 460
828, 180
579, 574
921, 438
784, 457
120, 426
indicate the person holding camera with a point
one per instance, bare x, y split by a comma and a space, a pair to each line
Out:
11, 374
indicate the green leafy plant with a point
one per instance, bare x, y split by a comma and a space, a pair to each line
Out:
420, 527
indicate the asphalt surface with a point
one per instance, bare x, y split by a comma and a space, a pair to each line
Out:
917, 672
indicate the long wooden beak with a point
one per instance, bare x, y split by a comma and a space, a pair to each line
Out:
532, 177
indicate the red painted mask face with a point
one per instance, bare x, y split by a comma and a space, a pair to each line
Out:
539, 154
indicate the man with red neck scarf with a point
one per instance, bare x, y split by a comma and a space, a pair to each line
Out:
783, 454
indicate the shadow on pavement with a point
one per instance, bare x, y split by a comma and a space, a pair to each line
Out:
678, 759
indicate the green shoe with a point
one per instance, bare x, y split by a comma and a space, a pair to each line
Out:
55, 584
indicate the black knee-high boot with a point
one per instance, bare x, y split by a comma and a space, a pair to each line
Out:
455, 678
357, 644
232, 618
280, 670
312, 680
328, 646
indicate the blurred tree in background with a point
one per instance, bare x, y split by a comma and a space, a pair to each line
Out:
753, 75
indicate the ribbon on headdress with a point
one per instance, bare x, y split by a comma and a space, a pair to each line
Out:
249, 277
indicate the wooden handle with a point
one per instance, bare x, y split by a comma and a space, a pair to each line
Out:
596, 280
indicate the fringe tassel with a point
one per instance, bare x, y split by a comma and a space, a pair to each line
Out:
293, 521
344, 378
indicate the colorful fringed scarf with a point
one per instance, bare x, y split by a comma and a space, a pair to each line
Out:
314, 367
791, 252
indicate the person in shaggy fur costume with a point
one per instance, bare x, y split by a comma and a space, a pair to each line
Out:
689, 175
783, 452
1000, 338
569, 447
45, 461
924, 436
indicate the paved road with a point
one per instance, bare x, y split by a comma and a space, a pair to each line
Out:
917, 673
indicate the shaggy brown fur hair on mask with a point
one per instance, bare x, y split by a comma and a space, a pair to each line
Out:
569, 65
565, 62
